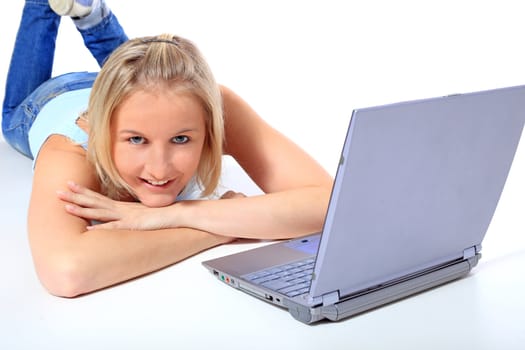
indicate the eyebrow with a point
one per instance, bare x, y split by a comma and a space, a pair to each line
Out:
135, 132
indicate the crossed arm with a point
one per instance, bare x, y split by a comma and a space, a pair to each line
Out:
72, 259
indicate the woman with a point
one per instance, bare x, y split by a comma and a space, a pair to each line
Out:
139, 149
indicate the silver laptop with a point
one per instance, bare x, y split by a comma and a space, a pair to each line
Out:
416, 188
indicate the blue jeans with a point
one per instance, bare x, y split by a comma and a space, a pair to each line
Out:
29, 85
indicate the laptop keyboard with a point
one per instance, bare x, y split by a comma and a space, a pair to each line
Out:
289, 279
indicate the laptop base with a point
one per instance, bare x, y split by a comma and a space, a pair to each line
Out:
384, 295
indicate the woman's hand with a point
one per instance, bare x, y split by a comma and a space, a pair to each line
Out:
113, 214
231, 194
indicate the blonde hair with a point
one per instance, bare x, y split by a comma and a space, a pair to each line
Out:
147, 63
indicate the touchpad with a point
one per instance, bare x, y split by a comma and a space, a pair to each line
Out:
308, 245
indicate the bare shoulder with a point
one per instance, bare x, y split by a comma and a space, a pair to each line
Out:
59, 159
49, 224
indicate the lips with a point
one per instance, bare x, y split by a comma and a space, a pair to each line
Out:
157, 183
155, 193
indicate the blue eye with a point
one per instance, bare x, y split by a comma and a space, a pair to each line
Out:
136, 140
181, 139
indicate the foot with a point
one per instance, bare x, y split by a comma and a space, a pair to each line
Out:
72, 8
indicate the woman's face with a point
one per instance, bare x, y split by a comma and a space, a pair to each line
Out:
158, 138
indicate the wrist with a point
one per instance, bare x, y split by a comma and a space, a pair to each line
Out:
181, 213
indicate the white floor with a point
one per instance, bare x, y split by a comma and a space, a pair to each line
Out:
304, 65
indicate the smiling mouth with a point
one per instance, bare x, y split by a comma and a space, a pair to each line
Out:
156, 183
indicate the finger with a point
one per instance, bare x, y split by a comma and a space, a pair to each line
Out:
92, 214
76, 188
228, 195
83, 196
103, 226
82, 200
113, 225
73, 186
232, 194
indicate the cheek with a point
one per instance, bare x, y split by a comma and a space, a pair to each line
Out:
198, 153
188, 160
125, 161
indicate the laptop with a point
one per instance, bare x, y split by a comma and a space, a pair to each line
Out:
415, 190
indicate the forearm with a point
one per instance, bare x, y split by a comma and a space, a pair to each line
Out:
278, 215
101, 258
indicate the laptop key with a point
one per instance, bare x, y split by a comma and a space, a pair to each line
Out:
276, 284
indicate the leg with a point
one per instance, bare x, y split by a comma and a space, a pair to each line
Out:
103, 38
31, 61
17, 129
99, 27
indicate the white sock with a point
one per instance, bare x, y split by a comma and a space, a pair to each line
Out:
99, 11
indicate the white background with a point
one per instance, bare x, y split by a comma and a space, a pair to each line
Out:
304, 65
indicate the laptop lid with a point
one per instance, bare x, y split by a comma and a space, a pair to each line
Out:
417, 185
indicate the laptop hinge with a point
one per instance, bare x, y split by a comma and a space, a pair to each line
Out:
469, 252
330, 298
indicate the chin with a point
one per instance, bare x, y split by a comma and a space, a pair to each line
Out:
157, 202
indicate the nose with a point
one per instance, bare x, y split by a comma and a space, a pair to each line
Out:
158, 163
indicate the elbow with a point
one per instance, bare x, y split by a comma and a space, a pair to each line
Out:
63, 276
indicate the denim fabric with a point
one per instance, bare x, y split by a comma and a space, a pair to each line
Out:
29, 85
